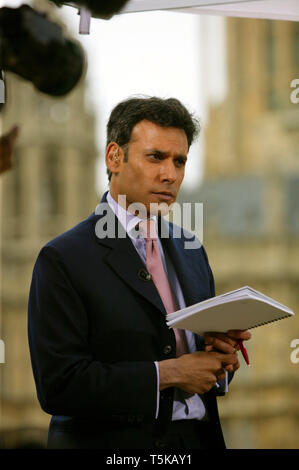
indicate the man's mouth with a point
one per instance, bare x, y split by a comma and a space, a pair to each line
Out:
165, 195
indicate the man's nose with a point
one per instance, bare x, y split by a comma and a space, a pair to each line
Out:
168, 171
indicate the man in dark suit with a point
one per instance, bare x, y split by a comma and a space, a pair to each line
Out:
104, 361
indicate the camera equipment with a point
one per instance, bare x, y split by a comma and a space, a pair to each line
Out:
35, 48
98, 8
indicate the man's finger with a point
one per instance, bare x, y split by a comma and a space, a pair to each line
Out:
227, 358
210, 337
229, 368
222, 346
239, 334
221, 375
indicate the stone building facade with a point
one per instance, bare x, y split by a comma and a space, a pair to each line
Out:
50, 189
250, 192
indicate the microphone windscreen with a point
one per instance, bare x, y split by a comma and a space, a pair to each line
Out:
98, 8
36, 49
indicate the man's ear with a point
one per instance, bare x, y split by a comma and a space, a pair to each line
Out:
114, 157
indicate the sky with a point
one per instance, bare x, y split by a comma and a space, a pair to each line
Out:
153, 53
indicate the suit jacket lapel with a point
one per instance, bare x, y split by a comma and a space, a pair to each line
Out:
124, 259
126, 263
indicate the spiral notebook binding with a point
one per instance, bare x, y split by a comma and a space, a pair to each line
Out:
269, 321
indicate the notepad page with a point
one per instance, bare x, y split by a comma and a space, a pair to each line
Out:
237, 314
238, 294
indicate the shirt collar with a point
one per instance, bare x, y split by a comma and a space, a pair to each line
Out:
126, 218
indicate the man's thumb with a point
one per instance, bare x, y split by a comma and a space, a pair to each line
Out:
228, 358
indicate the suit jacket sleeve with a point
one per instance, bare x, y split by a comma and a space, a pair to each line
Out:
69, 380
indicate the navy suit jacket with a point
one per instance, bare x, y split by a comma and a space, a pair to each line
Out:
96, 325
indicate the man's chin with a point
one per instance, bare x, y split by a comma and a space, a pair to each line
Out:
160, 204
151, 207
159, 208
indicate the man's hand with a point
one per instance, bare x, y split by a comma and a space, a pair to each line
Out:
7, 144
197, 372
226, 342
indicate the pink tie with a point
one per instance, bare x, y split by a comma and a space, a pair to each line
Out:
155, 267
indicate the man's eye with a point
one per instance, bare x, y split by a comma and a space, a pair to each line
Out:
181, 161
156, 156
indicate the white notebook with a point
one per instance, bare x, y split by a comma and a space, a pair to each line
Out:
240, 309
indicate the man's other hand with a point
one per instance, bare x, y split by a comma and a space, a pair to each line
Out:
226, 342
197, 372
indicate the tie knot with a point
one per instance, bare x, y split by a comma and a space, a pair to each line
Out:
147, 229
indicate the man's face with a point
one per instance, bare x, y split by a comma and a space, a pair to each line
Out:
155, 168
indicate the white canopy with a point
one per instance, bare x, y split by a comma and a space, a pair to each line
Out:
270, 9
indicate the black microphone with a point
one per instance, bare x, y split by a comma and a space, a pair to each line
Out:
35, 48
98, 8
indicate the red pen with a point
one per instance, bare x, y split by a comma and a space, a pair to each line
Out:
243, 351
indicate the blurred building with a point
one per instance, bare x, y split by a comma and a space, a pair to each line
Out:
251, 221
50, 189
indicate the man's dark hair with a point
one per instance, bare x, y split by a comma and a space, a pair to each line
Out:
164, 112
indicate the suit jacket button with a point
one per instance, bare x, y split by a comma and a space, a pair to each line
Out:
167, 349
144, 275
